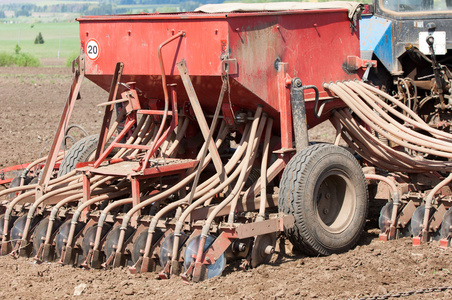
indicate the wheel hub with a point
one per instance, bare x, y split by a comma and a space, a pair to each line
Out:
336, 198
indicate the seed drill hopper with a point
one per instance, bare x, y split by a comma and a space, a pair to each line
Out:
203, 155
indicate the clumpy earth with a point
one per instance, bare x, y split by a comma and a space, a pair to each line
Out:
31, 102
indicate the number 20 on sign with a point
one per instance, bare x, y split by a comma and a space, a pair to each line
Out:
92, 49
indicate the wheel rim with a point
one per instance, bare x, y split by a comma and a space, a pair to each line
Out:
335, 201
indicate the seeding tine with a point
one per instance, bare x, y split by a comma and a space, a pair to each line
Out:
93, 258
206, 194
40, 200
427, 217
35, 205
180, 133
165, 194
391, 230
70, 238
6, 245
101, 221
249, 158
52, 218
133, 268
263, 179
151, 232
39, 254
214, 189
200, 269
208, 189
44, 255
223, 173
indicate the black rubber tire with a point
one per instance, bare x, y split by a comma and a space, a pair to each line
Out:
79, 152
330, 220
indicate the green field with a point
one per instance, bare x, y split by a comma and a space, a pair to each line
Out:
58, 37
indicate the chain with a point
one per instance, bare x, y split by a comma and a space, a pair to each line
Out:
409, 293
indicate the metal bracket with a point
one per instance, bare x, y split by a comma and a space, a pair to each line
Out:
354, 63
268, 226
229, 66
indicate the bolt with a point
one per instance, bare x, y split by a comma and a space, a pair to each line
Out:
327, 195
241, 247
297, 82
325, 211
269, 250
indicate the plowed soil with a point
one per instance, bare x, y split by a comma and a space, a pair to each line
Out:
31, 101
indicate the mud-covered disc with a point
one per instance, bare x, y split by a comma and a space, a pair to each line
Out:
446, 224
384, 221
90, 236
2, 223
18, 229
19, 226
111, 241
140, 243
261, 242
192, 250
40, 234
63, 233
416, 221
166, 249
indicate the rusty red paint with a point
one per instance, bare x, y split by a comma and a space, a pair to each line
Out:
263, 39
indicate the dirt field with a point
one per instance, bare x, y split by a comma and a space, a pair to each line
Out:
31, 102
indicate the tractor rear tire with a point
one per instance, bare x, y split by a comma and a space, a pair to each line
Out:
324, 188
79, 152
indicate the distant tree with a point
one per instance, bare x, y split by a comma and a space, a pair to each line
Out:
17, 49
189, 5
23, 12
39, 39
